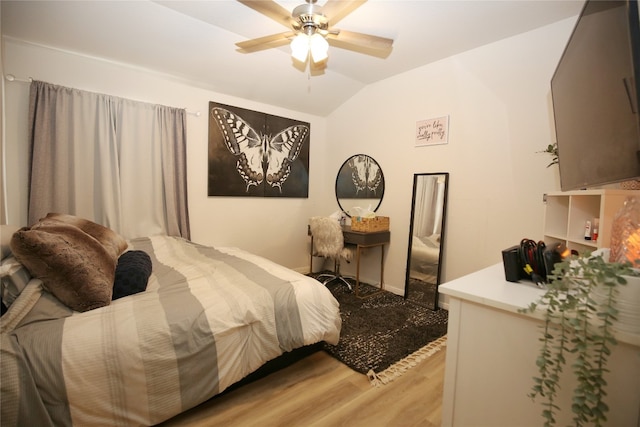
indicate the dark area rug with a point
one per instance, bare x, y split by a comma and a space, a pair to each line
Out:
383, 329
423, 293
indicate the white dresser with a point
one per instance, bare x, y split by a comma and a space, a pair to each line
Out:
491, 352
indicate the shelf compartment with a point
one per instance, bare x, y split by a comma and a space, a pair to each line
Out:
566, 213
582, 209
556, 215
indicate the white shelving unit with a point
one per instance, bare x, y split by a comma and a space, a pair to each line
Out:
566, 214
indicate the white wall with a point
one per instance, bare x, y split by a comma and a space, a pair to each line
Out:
274, 228
499, 105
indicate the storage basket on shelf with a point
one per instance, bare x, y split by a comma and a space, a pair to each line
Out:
369, 225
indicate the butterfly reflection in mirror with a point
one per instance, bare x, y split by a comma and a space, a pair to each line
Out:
365, 174
260, 155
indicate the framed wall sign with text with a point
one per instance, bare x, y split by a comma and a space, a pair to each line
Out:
432, 131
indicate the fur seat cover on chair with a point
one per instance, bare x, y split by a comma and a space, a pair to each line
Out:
328, 239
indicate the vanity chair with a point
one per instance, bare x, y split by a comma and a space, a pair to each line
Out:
328, 242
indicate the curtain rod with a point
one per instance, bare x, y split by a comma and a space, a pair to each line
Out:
12, 78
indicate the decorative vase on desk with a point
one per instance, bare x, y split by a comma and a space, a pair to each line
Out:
632, 184
625, 247
625, 233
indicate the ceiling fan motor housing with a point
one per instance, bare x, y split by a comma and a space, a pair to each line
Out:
310, 17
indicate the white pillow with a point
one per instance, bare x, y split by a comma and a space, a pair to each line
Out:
14, 277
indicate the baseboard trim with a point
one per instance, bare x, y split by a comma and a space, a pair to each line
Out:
443, 301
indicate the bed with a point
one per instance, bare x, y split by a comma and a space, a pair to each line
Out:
208, 317
425, 256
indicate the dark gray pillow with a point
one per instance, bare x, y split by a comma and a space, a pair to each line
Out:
132, 274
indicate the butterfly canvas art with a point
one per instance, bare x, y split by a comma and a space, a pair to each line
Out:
257, 154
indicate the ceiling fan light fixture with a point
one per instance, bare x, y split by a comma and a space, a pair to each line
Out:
309, 31
319, 47
300, 47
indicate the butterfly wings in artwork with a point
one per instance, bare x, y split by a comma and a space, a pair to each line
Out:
282, 150
365, 174
244, 142
260, 155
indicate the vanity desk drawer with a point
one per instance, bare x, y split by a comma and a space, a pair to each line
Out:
362, 238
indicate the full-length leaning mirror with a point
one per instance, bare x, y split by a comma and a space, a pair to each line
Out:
360, 183
426, 238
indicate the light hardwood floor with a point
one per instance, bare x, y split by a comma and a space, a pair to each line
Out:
320, 391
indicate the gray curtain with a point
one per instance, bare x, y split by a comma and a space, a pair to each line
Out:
118, 162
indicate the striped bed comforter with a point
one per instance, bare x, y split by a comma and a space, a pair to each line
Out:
209, 317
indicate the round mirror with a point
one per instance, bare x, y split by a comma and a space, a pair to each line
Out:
359, 184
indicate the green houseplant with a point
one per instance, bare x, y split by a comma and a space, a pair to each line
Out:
552, 149
577, 322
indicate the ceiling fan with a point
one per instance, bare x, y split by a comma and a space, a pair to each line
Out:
311, 31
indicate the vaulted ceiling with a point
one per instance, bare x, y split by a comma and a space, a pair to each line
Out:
195, 40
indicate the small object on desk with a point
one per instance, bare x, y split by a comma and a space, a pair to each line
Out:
512, 264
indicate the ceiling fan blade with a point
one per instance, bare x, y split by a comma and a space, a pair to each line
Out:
363, 43
336, 10
270, 9
266, 42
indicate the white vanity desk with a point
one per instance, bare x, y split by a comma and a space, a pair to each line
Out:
491, 353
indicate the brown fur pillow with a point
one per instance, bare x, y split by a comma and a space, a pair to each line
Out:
73, 265
111, 240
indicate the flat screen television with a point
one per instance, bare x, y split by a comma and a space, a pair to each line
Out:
595, 91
